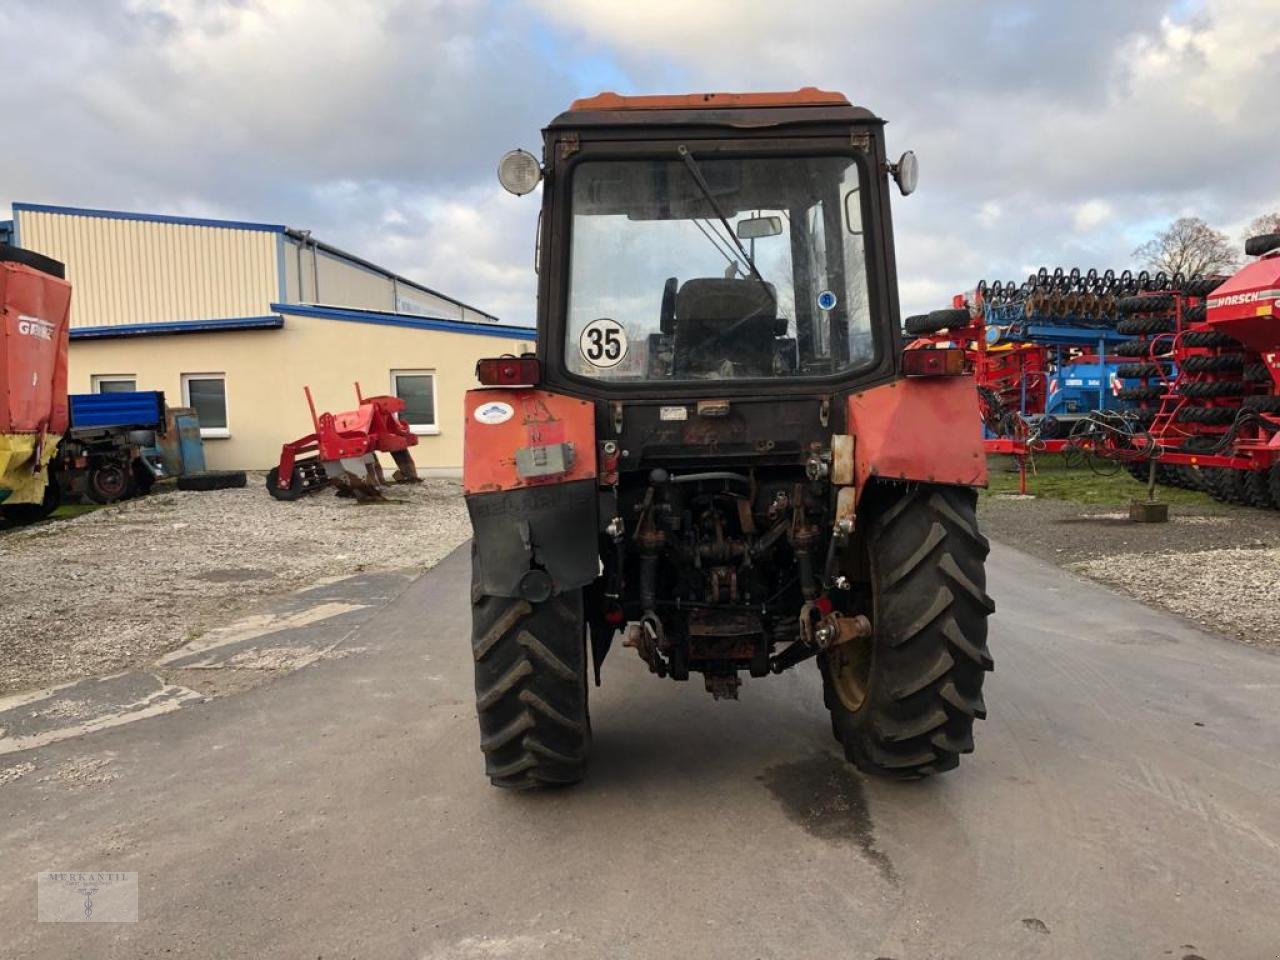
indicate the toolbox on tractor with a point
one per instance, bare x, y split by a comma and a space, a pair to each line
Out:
342, 450
720, 456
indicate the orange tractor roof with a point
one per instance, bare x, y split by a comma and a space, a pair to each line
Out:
804, 97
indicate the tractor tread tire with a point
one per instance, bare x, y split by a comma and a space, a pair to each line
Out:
1138, 347
1257, 492
1213, 388
1257, 372
1209, 338
1136, 371
1145, 324
531, 690
1213, 363
930, 652
1211, 416
936, 320
1273, 483
1137, 304
213, 480
1140, 394
1225, 484
1263, 404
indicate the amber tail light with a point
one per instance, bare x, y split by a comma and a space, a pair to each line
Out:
508, 371
948, 362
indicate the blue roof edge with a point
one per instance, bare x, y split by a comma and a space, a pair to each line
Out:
176, 327
407, 321
146, 217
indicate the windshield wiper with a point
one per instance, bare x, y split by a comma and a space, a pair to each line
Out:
696, 172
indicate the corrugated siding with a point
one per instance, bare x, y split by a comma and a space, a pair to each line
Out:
344, 284
135, 271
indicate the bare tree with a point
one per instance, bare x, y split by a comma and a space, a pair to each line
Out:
1190, 247
1267, 223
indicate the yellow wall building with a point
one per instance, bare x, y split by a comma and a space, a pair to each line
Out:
235, 318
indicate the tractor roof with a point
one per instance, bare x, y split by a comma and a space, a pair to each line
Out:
807, 104
804, 97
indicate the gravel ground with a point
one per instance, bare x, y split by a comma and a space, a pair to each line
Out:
1218, 566
121, 586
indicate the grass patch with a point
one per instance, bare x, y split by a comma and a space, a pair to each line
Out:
69, 510
1048, 477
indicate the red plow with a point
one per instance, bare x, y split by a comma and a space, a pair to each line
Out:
342, 451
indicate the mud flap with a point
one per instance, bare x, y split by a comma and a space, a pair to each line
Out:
550, 528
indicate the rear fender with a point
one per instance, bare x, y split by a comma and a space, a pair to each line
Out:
927, 429
529, 476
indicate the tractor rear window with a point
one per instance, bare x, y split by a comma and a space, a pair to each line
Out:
698, 268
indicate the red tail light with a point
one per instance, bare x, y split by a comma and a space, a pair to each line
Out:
948, 362
508, 372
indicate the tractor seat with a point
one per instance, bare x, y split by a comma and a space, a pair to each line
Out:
706, 307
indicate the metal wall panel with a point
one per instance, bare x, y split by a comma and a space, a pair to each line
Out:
125, 271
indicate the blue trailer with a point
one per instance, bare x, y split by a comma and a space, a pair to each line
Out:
108, 453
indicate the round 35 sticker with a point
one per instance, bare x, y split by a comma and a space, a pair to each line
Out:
494, 412
603, 343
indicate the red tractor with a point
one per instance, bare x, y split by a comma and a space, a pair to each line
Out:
342, 451
721, 453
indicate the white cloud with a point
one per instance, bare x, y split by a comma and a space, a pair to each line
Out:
1090, 215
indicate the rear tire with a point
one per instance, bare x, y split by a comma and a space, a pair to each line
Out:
531, 688
109, 482
929, 656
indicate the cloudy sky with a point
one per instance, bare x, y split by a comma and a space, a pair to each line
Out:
1049, 133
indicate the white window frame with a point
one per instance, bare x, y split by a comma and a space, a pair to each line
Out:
209, 433
96, 380
421, 429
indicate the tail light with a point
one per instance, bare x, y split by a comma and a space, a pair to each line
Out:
948, 362
509, 371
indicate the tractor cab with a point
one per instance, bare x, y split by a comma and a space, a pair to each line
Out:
715, 243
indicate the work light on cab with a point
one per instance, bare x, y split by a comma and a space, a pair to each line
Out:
519, 172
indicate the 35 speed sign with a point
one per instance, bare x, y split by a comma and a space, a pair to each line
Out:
603, 343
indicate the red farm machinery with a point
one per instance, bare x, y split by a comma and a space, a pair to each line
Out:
1208, 366
1172, 378
341, 451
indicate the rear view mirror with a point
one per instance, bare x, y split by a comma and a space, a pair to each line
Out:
753, 228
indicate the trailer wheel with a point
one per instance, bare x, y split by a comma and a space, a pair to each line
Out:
904, 704
109, 482
531, 688
297, 489
213, 480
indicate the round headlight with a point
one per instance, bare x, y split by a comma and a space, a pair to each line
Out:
907, 173
519, 172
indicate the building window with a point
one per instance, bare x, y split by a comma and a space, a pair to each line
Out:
417, 388
113, 383
206, 393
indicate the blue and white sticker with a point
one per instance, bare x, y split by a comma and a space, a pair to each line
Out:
494, 412
826, 300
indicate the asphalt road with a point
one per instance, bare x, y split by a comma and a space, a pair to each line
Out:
1124, 802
